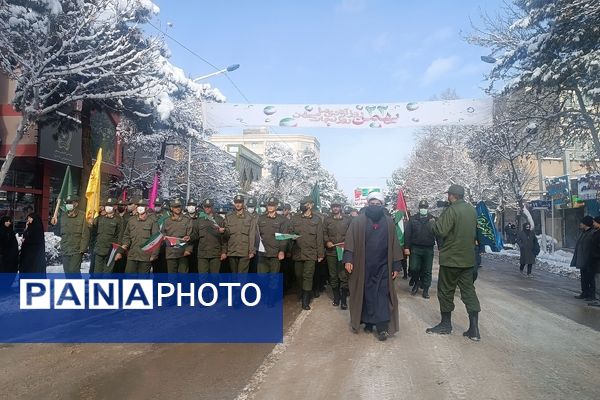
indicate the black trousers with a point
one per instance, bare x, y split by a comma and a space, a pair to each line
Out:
528, 268
588, 284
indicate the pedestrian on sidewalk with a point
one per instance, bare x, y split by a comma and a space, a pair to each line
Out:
372, 257
583, 258
418, 245
457, 229
596, 262
529, 248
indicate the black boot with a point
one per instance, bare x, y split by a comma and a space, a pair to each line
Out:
316, 293
343, 304
415, 288
426, 293
336, 297
473, 332
306, 299
444, 327
405, 271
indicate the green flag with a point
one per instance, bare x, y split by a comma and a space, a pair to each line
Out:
66, 189
339, 250
316, 196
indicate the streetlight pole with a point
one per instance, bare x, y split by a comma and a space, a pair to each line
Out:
189, 162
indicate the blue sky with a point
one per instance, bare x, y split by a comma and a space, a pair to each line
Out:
342, 51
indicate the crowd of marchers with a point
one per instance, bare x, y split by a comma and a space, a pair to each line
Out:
358, 253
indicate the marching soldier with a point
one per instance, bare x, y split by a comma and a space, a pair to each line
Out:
209, 235
191, 211
75, 236
418, 245
254, 209
308, 248
334, 233
269, 224
178, 227
123, 212
160, 214
251, 206
240, 231
139, 229
109, 230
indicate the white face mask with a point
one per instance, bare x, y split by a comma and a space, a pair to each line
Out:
69, 207
423, 211
251, 209
279, 212
109, 209
191, 209
157, 209
141, 210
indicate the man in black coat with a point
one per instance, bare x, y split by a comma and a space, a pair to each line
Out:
596, 262
528, 247
583, 258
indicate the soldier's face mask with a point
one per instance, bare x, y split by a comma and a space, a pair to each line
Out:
423, 211
279, 212
69, 207
251, 209
141, 210
157, 208
109, 209
191, 209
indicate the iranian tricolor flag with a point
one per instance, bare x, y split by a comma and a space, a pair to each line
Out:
175, 241
153, 242
399, 216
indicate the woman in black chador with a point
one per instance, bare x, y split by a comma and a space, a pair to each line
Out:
33, 248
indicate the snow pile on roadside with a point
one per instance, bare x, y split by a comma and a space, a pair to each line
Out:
558, 262
58, 269
52, 248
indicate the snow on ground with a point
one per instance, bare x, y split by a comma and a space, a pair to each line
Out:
558, 262
58, 269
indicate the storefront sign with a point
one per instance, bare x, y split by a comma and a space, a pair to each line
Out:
588, 187
60, 145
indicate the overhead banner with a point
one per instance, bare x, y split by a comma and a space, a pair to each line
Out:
461, 112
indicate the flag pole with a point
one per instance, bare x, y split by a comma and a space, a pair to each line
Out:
54, 219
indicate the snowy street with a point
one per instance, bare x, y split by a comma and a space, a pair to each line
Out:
538, 342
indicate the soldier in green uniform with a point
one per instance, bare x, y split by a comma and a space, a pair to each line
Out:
334, 232
254, 209
240, 232
160, 214
251, 206
75, 236
139, 229
122, 212
418, 244
457, 227
109, 230
191, 211
269, 224
180, 227
209, 237
308, 248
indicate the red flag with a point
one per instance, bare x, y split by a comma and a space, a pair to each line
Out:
401, 203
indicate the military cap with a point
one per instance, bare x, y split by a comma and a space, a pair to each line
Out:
71, 198
122, 202
279, 206
192, 202
423, 204
347, 210
238, 199
142, 202
110, 202
307, 199
336, 203
272, 201
456, 190
158, 202
207, 203
251, 202
176, 203
221, 211
287, 206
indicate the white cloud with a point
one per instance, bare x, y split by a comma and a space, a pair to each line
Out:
351, 6
438, 68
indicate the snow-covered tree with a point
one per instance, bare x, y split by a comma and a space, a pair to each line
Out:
549, 49
291, 176
60, 52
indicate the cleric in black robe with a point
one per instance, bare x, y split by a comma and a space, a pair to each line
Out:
372, 257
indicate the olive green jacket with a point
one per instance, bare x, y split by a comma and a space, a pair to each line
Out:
108, 231
240, 234
136, 234
74, 232
179, 228
267, 228
334, 231
457, 229
208, 238
309, 246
